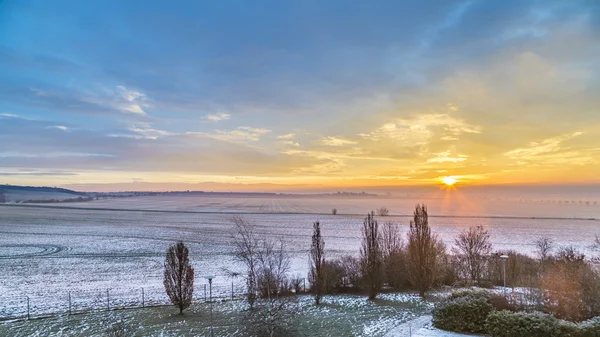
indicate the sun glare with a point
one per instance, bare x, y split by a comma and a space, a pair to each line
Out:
449, 181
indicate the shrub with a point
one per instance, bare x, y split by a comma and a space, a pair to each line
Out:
334, 211
521, 324
590, 328
383, 211
462, 312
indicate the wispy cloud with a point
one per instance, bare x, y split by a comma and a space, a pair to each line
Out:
336, 141
287, 136
218, 117
59, 127
447, 157
542, 147
241, 134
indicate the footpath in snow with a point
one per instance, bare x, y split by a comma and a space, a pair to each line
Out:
421, 327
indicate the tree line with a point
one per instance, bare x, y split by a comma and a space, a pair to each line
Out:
568, 285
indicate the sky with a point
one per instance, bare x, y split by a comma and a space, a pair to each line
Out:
267, 95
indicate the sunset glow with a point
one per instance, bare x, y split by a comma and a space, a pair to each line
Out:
267, 104
449, 181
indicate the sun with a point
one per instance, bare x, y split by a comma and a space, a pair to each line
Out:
449, 181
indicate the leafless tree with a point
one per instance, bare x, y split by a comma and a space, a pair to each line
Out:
179, 276
423, 251
267, 265
383, 211
394, 255
317, 262
247, 246
543, 248
371, 257
274, 308
473, 248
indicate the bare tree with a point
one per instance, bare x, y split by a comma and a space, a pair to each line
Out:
274, 309
394, 255
423, 251
543, 248
246, 248
473, 248
371, 257
179, 276
317, 262
383, 211
267, 265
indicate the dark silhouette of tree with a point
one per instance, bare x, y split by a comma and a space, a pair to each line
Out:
423, 251
179, 276
371, 256
473, 247
317, 262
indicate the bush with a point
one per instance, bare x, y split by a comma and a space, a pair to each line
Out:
334, 211
383, 211
521, 324
590, 328
463, 312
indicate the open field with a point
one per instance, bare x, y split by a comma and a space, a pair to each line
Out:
45, 252
440, 203
118, 245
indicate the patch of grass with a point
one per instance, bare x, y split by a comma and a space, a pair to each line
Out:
340, 315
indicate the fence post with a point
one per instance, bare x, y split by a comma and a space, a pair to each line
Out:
143, 298
107, 301
27, 307
69, 303
232, 290
204, 292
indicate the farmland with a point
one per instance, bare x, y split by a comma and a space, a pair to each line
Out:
118, 244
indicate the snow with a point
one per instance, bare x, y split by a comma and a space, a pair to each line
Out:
421, 327
47, 252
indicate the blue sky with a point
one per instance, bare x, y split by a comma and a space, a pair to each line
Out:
303, 93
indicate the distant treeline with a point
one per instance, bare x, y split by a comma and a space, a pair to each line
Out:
50, 201
7, 188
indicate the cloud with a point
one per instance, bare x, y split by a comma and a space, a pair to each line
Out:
289, 143
59, 127
420, 128
287, 136
336, 141
241, 134
8, 115
218, 117
542, 147
447, 157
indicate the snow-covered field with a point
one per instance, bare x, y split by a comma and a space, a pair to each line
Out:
47, 252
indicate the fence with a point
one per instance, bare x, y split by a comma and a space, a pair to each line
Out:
84, 301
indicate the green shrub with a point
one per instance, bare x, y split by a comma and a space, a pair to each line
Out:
466, 313
521, 324
590, 328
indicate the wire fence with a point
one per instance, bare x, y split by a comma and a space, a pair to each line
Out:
85, 301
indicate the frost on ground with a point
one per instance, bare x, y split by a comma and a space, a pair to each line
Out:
340, 315
47, 253
421, 327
